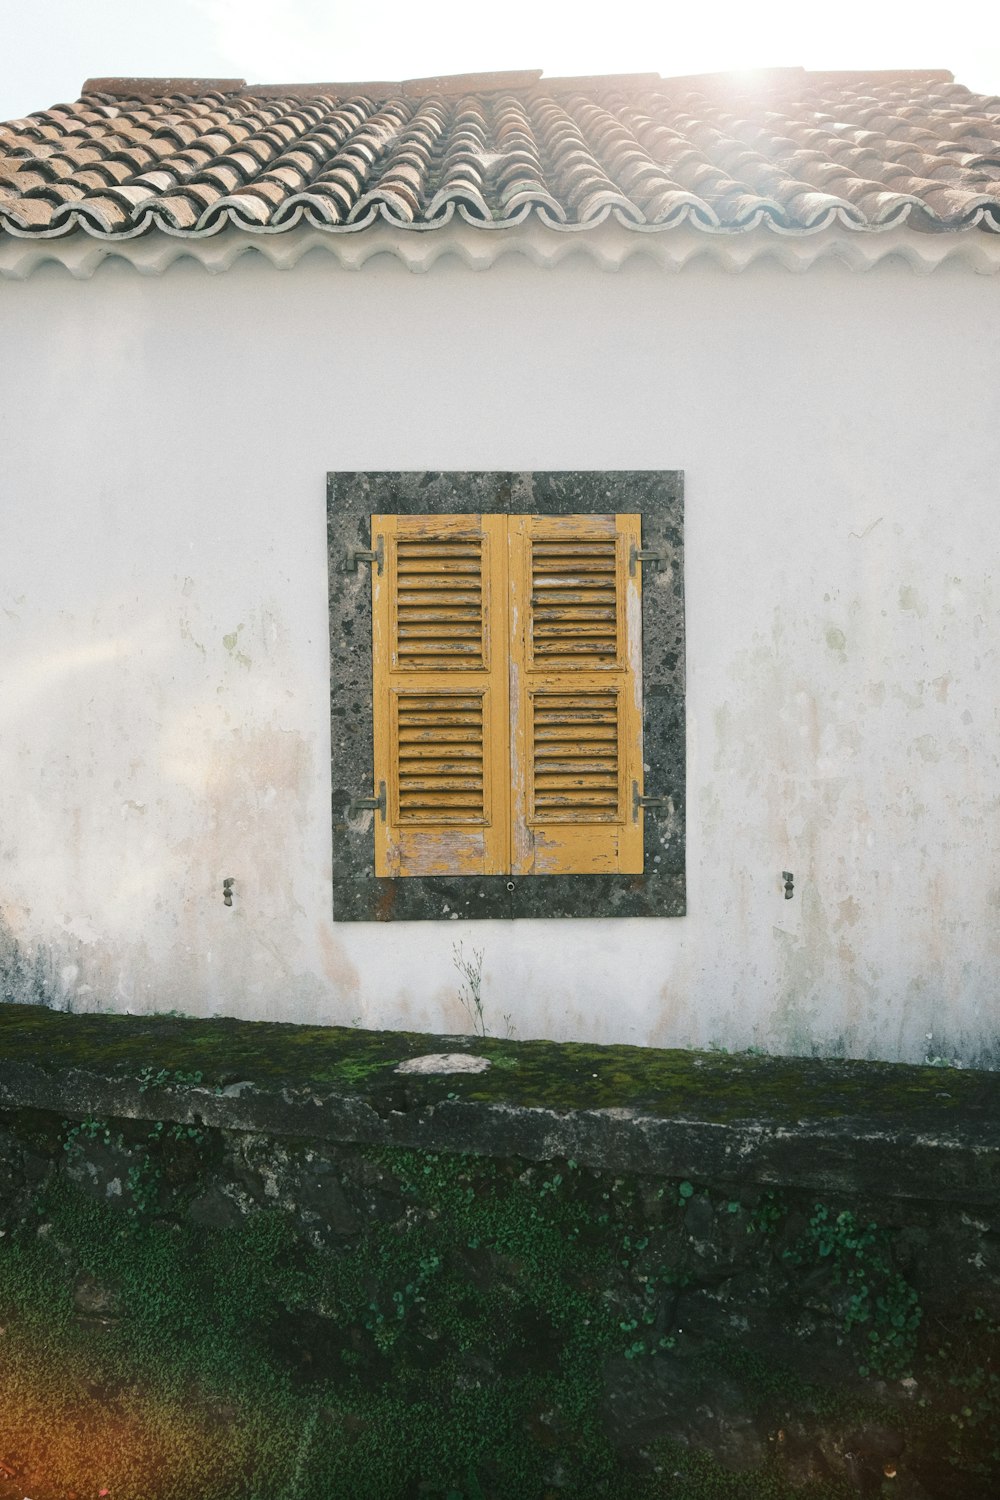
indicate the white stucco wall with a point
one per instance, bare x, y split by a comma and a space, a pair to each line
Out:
164, 443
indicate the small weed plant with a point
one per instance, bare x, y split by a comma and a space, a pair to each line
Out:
165, 1078
934, 1059
470, 991
879, 1299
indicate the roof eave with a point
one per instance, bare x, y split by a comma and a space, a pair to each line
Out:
610, 245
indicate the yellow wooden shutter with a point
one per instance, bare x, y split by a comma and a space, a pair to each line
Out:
576, 695
440, 681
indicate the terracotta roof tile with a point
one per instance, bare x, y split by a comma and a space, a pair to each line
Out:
794, 149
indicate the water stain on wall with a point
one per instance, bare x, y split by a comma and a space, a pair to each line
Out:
27, 974
910, 599
673, 1026
337, 967
832, 783
72, 972
231, 642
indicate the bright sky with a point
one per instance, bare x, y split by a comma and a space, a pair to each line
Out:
59, 43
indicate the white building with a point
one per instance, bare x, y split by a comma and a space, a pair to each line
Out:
213, 297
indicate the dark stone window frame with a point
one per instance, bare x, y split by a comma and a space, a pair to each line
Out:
352, 499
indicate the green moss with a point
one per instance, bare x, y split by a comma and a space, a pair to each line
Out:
712, 1087
456, 1346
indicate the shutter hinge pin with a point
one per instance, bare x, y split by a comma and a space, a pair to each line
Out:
377, 804
640, 801
655, 555
355, 559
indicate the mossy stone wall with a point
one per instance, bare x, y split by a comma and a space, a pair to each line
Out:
258, 1260
196, 1311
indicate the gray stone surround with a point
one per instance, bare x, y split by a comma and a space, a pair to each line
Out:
358, 894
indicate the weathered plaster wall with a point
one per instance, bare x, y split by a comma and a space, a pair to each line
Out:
163, 635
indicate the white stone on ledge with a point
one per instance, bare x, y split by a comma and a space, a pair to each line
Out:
444, 1062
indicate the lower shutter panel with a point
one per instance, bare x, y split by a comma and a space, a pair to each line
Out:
576, 731
439, 748
574, 744
440, 691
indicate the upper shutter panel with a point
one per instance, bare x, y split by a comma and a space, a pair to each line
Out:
574, 602
576, 698
439, 619
440, 695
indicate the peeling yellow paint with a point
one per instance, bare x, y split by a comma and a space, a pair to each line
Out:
439, 650
507, 686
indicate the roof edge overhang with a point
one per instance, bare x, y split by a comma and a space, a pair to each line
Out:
147, 89
609, 245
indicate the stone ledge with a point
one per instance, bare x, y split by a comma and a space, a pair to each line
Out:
892, 1130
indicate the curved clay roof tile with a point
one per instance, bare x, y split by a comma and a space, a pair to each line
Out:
787, 147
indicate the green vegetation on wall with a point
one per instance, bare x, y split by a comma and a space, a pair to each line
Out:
469, 1328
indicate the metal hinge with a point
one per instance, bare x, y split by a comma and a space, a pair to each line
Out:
655, 555
355, 559
639, 801
377, 804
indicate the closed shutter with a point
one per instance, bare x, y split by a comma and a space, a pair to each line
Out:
440, 682
576, 732
507, 695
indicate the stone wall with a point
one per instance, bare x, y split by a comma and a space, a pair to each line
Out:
266, 1310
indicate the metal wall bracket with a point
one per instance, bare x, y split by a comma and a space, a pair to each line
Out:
654, 555
355, 559
638, 801
377, 804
